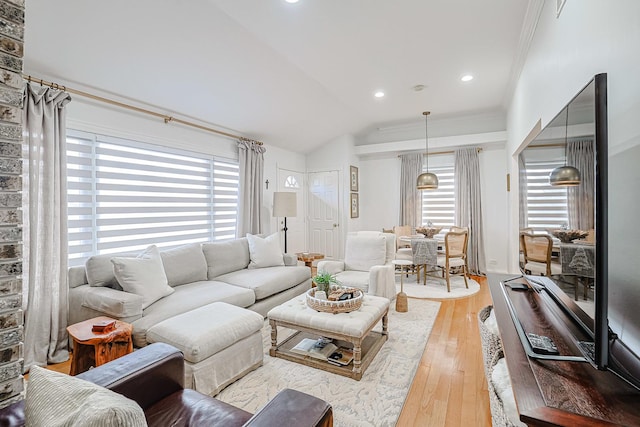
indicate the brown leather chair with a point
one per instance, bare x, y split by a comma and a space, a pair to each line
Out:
153, 377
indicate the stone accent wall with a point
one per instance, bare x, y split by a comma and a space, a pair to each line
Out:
11, 92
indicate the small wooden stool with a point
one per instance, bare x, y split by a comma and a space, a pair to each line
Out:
402, 304
95, 349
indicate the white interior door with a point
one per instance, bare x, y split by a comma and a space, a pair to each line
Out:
289, 180
324, 213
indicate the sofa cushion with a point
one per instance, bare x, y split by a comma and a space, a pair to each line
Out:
265, 252
205, 331
269, 280
113, 303
224, 257
364, 251
55, 399
188, 297
184, 264
100, 270
143, 275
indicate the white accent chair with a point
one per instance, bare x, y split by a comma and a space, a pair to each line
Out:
367, 263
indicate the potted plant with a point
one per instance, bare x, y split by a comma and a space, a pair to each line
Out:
323, 281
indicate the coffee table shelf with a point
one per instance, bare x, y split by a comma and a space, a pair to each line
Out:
352, 330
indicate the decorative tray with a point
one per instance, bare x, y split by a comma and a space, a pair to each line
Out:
335, 307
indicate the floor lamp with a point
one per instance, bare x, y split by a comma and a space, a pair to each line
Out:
284, 205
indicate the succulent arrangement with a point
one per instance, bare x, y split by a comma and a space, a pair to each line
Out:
324, 280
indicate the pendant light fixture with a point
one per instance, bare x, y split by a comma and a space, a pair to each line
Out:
426, 180
565, 176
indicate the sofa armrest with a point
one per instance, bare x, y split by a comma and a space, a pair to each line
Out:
145, 376
382, 281
331, 267
295, 409
290, 259
113, 303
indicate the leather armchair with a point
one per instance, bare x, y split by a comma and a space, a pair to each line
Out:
367, 263
153, 377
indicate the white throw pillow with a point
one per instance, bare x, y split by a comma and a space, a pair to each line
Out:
55, 399
265, 252
143, 275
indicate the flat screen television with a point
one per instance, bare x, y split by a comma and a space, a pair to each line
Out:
598, 272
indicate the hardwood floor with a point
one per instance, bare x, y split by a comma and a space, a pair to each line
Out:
449, 388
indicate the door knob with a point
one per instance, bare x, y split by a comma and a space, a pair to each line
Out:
335, 225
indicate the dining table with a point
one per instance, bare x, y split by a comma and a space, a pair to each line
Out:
425, 253
578, 260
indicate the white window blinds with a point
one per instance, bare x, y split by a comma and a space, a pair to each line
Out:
125, 195
546, 204
439, 206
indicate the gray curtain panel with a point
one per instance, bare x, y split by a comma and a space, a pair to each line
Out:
45, 234
580, 198
410, 197
469, 206
251, 169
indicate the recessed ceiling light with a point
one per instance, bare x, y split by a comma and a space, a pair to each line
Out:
379, 94
291, 1
466, 78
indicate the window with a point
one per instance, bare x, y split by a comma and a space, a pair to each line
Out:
291, 182
125, 195
546, 205
439, 206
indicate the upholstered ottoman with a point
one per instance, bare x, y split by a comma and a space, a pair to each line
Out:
220, 342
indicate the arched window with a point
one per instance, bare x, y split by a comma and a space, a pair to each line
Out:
291, 182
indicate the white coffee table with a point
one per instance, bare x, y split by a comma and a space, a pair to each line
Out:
353, 329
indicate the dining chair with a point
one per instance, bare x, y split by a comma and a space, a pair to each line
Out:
537, 249
454, 260
403, 249
521, 252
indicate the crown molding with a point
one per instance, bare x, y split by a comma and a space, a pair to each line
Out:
529, 25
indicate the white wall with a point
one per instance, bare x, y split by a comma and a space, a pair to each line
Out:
379, 193
495, 213
589, 37
380, 199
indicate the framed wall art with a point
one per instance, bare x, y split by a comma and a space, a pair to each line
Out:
355, 205
354, 178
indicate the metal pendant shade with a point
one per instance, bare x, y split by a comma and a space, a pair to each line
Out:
565, 176
427, 180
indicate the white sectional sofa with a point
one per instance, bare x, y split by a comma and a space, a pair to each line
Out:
198, 274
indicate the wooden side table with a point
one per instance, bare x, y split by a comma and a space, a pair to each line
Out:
309, 257
402, 304
95, 349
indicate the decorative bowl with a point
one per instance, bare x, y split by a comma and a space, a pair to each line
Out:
567, 236
428, 232
335, 307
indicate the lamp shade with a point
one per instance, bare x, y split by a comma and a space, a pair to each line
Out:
566, 176
427, 181
284, 204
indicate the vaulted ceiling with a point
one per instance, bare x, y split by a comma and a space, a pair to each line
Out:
292, 75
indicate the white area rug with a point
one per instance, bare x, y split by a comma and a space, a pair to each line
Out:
437, 288
375, 400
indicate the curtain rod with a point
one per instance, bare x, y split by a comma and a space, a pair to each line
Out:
437, 153
166, 118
